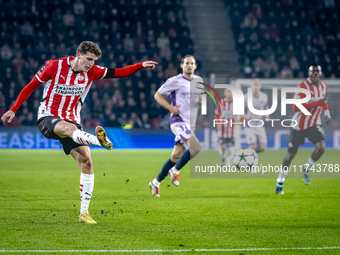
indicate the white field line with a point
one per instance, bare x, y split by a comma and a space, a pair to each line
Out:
159, 250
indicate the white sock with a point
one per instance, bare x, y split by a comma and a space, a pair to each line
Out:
231, 153
86, 188
230, 156
282, 175
310, 162
175, 170
82, 137
155, 182
224, 154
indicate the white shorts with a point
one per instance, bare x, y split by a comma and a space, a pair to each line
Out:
256, 134
182, 132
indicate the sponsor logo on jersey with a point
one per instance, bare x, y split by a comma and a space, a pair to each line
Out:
67, 90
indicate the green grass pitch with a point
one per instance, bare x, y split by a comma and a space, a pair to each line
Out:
39, 205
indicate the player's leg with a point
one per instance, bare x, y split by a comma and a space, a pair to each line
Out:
80, 152
315, 134
252, 146
82, 156
296, 138
262, 147
261, 138
194, 149
251, 138
66, 129
224, 151
283, 171
181, 133
231, 150
177, 152
320, 148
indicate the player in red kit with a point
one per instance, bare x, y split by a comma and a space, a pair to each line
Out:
67, 82
307, 125
224, 111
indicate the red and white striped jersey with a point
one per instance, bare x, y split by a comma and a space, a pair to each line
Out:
225, 111
317, 93
65, 91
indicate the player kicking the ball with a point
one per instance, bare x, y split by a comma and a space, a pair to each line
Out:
67, 82
307, 125
185, 99
224, 111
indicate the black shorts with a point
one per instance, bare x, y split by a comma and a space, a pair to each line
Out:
297, 137
227, 140
46, 127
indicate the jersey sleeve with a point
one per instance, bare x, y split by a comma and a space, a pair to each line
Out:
25, 93
46, 72
169, 86
99, 72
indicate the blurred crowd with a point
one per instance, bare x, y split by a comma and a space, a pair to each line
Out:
279, 39
127, 32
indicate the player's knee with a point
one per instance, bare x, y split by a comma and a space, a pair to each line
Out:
194, 150
174, 158
292, 150
320, 147
262, 147
289, 157
199, 148
68, 130
64, 128
87, 163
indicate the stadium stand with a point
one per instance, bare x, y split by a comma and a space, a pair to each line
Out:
279, 39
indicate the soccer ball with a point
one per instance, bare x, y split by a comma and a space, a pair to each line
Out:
245, 159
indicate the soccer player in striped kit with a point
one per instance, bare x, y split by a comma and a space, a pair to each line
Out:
67, 82
307, 125
226, 131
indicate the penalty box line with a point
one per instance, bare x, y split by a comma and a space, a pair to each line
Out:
159, 250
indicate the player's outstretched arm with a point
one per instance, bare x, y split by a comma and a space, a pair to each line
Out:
129, 70
161, 100
24, 94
